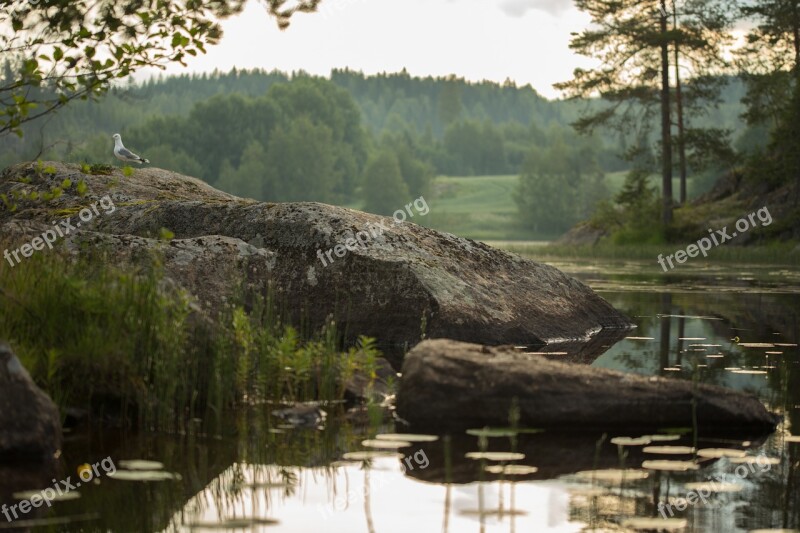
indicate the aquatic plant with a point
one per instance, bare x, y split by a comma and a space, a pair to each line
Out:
130, 348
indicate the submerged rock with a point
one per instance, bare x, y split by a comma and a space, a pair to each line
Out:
399, 283
452, 386
302, 415
30, 424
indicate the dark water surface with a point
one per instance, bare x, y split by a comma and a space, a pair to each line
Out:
728, 325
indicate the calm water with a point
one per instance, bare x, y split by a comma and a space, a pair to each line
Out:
267, 476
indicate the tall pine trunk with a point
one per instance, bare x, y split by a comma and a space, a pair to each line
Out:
679, 110
796, 70
666, 122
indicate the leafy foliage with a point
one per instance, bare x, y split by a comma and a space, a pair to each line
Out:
632, 39
384, 188
559, 186
59, 50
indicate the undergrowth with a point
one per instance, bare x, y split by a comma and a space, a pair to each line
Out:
122, 343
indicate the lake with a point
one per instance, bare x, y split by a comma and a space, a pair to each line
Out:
730, 325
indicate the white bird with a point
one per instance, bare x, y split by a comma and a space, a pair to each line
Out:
123, 154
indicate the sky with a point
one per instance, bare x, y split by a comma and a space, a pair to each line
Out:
524, 40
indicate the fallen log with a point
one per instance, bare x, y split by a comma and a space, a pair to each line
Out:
452, 386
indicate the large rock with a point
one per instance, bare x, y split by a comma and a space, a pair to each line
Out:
405, 282
452, 386
30, 424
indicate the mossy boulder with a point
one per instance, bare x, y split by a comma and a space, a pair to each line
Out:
402, 283
30, 424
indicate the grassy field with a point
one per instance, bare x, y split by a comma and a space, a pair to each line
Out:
480, 207
483, 208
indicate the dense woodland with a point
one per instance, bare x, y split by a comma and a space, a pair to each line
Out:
350, 138
673, 96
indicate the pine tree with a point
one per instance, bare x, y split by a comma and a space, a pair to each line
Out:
633, 40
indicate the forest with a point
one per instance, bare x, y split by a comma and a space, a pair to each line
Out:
675, 101
350, 139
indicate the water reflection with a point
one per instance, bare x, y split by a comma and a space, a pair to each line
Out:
715, 327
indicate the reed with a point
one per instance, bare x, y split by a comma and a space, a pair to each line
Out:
127, 346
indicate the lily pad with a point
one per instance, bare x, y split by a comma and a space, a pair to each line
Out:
663, 438
719, 453
669, 450
492, 512
630, 441
138, 464
756, 345
512, 470
714, 486
64, 497
143, 475
407, 437
670, 466
385, 444
369, 455
612, 475
492, 432
241, 523
761, 460
496, 456
656, 524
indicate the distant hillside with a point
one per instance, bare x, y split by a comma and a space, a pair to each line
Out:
371, 141
388, 103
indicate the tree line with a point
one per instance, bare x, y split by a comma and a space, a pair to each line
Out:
666, 96
291, 136
649, 49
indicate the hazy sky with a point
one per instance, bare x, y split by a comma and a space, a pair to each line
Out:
525, 40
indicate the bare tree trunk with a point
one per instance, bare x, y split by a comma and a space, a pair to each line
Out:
679, 102
796, 69
666, 122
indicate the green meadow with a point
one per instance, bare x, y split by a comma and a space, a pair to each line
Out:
483, 208
480, 207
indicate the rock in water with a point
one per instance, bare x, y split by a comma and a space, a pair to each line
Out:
397, 282
30, 424
453, 386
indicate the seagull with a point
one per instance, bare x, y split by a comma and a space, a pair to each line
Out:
123, 154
